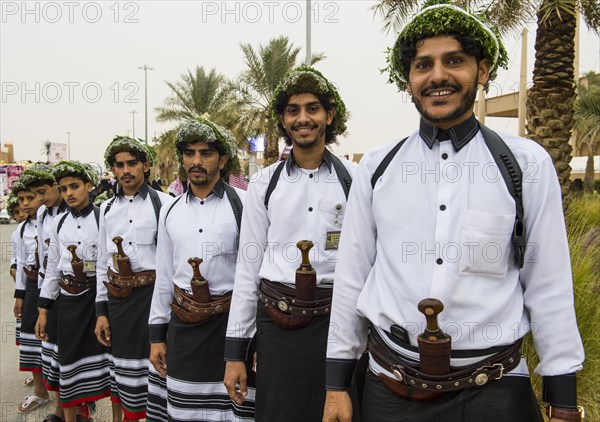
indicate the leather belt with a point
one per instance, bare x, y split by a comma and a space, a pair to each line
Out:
191, 312
31, 272
287, 311
69, 284
122, 286
412, 384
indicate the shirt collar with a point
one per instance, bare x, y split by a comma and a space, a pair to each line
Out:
218, 190
61, 208
142, 191
84, 212
459, 135
290, 161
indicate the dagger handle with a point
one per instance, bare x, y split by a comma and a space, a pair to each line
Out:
195, 263
305, 246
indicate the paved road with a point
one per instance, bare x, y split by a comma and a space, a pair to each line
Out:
12, 390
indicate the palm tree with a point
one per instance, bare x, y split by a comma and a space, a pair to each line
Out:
587, 123
46, 150
267, 66
197, 93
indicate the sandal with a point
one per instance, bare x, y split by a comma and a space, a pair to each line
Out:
31, 402
28, 381
51, 417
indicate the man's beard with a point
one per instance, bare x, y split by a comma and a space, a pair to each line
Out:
466, 103
193, 180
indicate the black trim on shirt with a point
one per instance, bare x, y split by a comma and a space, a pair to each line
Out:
44, 302
290, 161
560, 390
84, 212
102, 308
157, 333
19, 294
236, 348
459, 135
338, 373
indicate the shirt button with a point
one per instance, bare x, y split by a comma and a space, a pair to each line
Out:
79, 243
443, 207
439, 261
311, 175
131, 221
131, 200
310, 209
200, 231
201, 202
130, 243
445, 156
78, 227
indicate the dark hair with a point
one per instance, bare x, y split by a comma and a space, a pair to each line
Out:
213, 145
41, 182
282, 101
140, 156
469, 45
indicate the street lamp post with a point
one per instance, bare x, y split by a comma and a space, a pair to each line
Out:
69, 145
308, 58
133, 122
146, 68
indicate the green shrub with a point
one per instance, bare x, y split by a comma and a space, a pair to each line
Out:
583, 229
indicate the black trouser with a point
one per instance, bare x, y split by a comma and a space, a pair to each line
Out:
509, 399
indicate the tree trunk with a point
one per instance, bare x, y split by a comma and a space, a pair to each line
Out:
551, 98
271, 145
588, 180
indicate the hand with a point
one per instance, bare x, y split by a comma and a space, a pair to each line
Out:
18, 309
338, 407
235, 381
102, 330
40, 325
158, 357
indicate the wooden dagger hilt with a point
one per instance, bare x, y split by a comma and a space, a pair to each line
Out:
305, 246
431, 308
195, 263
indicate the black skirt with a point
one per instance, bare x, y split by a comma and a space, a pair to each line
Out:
290, 375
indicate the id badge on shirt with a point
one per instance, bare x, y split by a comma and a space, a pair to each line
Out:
333, 240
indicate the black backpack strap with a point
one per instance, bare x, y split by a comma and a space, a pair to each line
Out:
513, 178
172, 205
23, 226
342, 174
97, 215
236, 203
61, 222
386, 162
273, 182
110, 204
156, 204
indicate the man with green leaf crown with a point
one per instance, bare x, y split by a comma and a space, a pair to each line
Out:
301, 198
196, 259
125, 273
453, 249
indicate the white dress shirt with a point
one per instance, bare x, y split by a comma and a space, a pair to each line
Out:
25, 252
305, 205
133, 219
438, 224
81, 230
192, 227
45, 217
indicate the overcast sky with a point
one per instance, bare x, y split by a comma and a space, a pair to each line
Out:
72, 66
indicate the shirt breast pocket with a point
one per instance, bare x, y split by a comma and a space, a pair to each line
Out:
485, 243
145, 232
221, 240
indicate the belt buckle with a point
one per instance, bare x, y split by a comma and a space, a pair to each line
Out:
398, 372
501, 370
